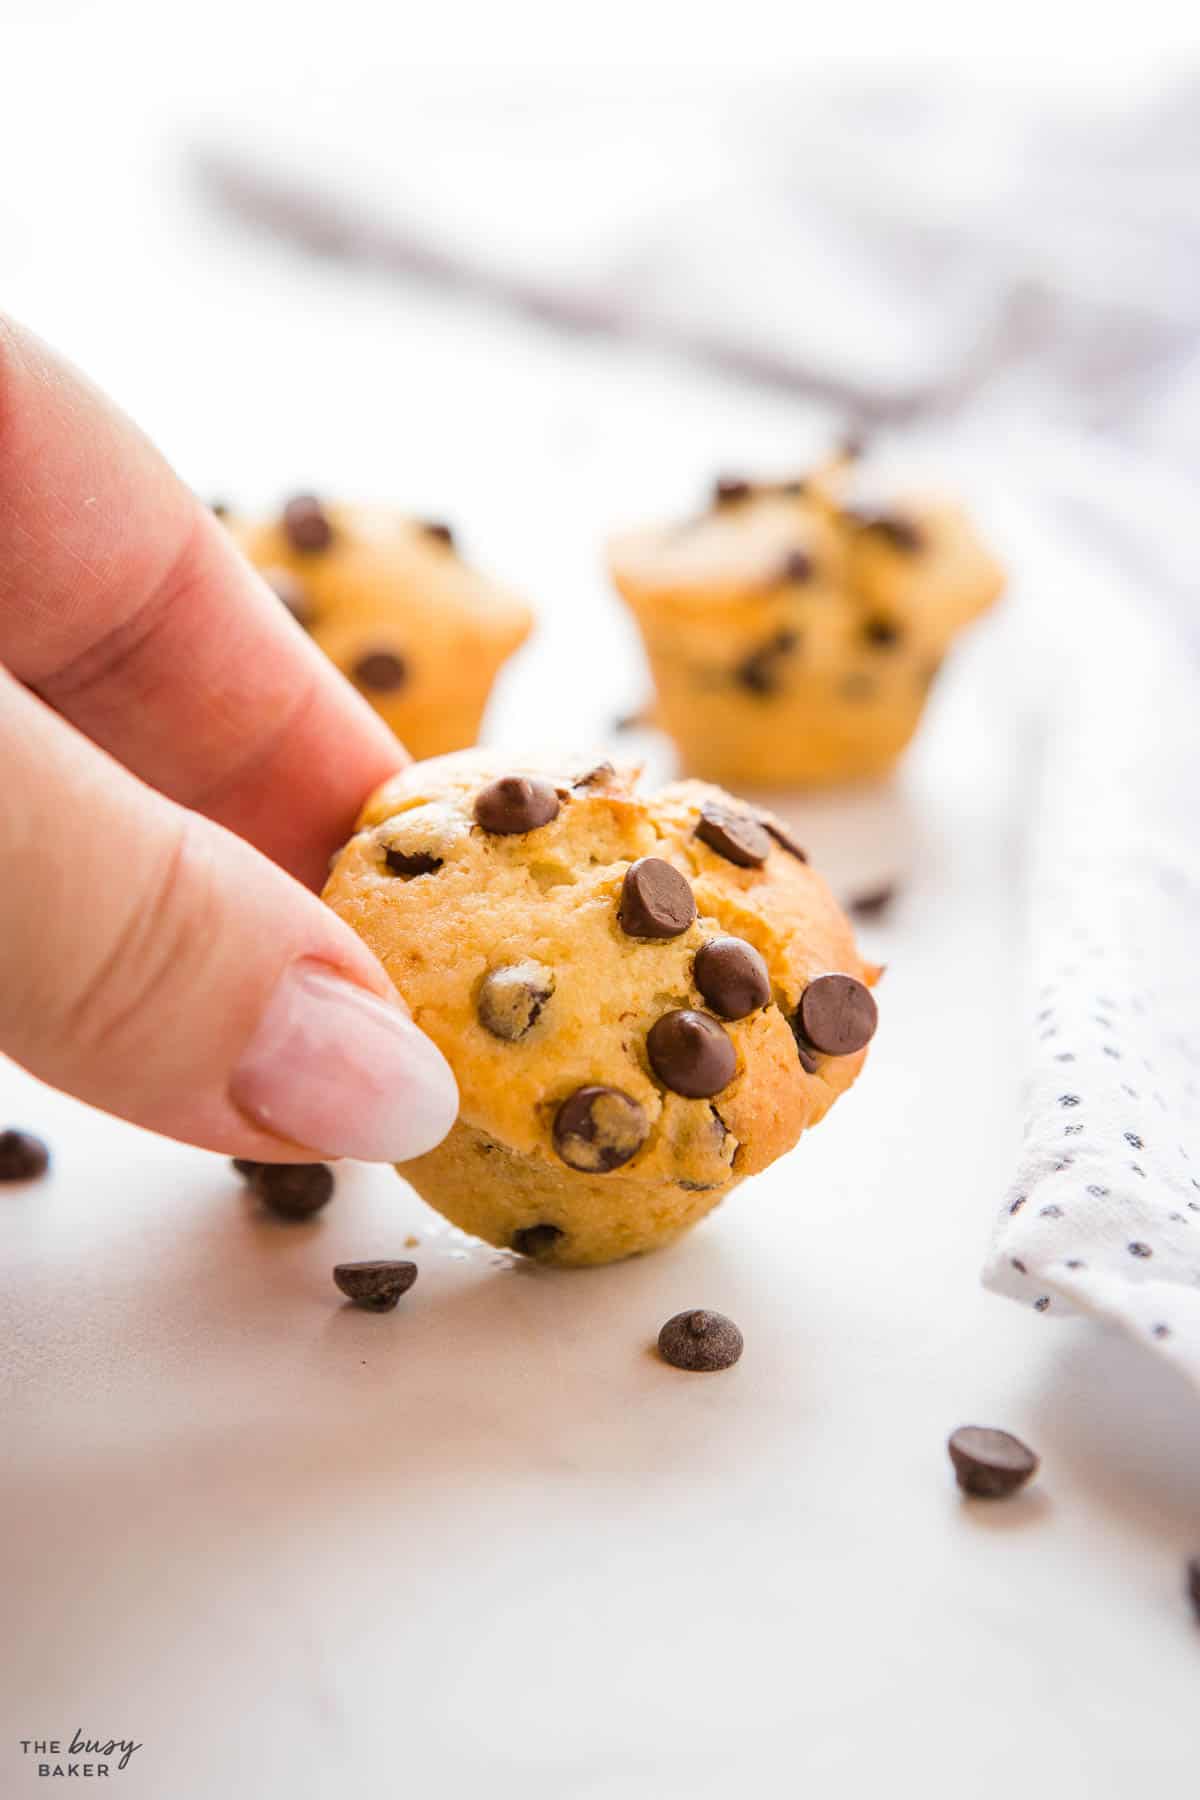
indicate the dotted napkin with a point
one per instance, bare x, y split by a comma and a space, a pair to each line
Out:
1104, 1214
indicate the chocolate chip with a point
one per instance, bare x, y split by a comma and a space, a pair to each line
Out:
220, 509
412, 862
700, 1341
1192, 1579
306, 524
293, 1190
511, 999
873, 901
515, 804
376, 1286
837, 1014
656, 900
808, 1061
729, 488
760, 671
797, 566
880, 632
289, 589
436, 528
535, 1240
599, 1128
990, 1464
782, 837
900, 533
22, 1156
603, 771
382, 671
691, 1053
734, 835
732, 977
246, 1167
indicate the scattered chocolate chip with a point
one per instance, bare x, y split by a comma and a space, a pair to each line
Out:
656, 900
760, 672
1192, 1578
220, 509
375, 1286
289, 589
880, 632
599, 1128
729, 488
732, 977
515, 804
535, 1240
893, 528
700, 1341
382, 671
306, 524
22, 1156
782, 837
412, 862
837, 1014
990, 1464
691, 1053
436, 528
734, 835
511, 999
873, 901
797, 566
293, 1190
246, 1167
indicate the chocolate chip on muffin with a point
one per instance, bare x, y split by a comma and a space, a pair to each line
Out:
734, 835
597, 1128
732, 977
515, 804
691, 1053
511, 998
306, 525
656, 900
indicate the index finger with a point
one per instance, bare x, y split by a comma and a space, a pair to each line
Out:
126, 607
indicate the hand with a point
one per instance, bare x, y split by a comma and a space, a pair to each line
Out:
177, 763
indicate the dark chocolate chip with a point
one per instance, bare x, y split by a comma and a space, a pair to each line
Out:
412, 862
376, 1286
246, 1167
515, 804
382, 671
782, 837
900, 533
511, 999
700, 1341
437, 528
881, 632
760, 672
535, 1240
873, 901
1192, 1579
603, 771
22, 1156
729, 488
289, 589
599, 1128
732, 977
808, 1062
990, 1464
293, 1190
656, 900
837, 1014
734, 835
797, 566
306, 524
691, 1053
220, 509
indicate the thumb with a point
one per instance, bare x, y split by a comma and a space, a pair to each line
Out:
155, 965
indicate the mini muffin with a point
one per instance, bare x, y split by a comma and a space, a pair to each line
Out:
793, 636
645, 997
391, 602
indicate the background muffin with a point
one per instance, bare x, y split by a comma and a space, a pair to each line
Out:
390, 600
645, 998
792, 636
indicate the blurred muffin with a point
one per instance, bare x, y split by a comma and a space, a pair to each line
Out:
390, 601
793, 636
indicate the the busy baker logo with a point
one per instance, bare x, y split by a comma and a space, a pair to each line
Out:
79, 1757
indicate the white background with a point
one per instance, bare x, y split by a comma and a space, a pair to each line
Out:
489, 1542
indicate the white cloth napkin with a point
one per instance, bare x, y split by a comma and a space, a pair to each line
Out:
1104, 1213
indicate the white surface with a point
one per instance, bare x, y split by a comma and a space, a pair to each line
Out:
488, 1543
